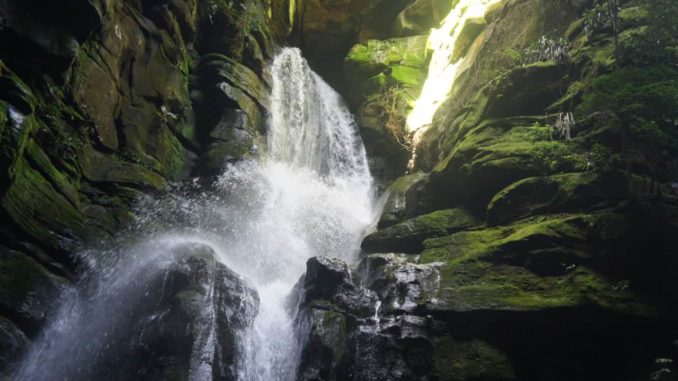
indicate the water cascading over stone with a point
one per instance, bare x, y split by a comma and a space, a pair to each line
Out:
219, 264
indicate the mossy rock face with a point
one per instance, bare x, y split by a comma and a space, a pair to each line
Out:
28, 291
493, 81
554, 194
420, 16
408, 236
125, 85
470, 31
580, 217
232, 111
395, 208
41, 208
217, 68
101, 168
247, 30
96, 110
384, 79
382, 128
327, 31
534, 265
17, 104
232, 139
492, 156
329, 342
526, 90
402, 59
471, 360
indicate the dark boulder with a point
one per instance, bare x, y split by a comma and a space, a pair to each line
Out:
347, 335
178, 317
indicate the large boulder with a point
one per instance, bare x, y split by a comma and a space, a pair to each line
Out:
180, 316
349, 337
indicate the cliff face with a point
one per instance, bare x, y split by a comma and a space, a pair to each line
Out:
534, 238
103, 101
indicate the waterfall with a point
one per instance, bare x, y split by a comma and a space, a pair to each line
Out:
316, 200
311, 194
444, 66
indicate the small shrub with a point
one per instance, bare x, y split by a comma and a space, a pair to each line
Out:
539, 133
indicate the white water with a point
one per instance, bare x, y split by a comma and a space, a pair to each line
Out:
316, 199
311, 195
442, 70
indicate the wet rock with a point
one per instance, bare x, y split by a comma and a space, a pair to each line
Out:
12, 343
179, 319
329, 279
230, 140
194, 329
348, 336
401, 285
28, 291
396, 206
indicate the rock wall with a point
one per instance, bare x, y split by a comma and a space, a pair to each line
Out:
542, 201
104, 101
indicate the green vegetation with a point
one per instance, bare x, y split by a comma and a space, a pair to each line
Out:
651, 37
538, 263
642, 103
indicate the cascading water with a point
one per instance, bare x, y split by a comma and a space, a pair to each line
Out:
316, 199
311, 195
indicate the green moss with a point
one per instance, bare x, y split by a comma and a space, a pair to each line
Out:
407, 236
333, 326
407, 75
541, 195
375, 66
40, 208
470, 360
409, 51
501, 268
644, 102
14, 138
61, 182
26, 287
469, 33
100, 167
634, 16
444, 219
395, 206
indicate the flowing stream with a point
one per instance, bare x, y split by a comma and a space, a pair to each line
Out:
311, 194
